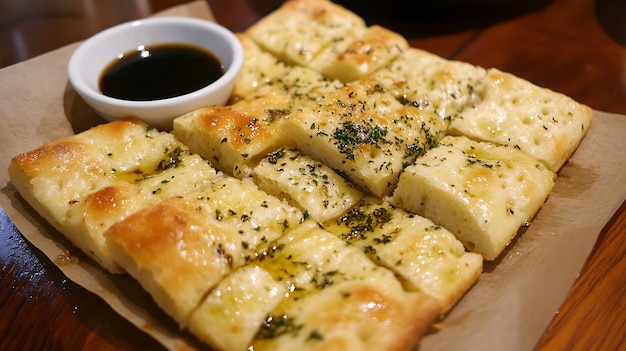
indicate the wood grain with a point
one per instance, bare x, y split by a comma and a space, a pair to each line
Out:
574, 47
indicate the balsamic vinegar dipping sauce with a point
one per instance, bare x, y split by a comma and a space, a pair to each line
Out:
160, 72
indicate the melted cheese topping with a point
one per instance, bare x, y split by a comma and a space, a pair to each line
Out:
433, 83
371, 50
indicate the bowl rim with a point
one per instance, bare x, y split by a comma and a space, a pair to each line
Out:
79, 84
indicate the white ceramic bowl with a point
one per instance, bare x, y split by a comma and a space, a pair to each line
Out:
94, 55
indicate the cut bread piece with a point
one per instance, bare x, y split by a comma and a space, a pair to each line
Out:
182, 247
84, 183
308, 184
432, 83
300, 29
230, 316
512, 111
371, 50
425, 257
364, 133
234, 137
481, 192
305, 86
338, 299
259, 68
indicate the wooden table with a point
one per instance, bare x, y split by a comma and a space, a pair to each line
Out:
576, 47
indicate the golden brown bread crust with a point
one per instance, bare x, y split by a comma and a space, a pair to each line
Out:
371, 49
174, 252
383, 321
234, 136
57, 177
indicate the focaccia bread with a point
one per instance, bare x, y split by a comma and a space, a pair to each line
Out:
298, 31
258, 70
233, 312
481, 192
433, 83
85, 183
344, 198
180, 248
371, 50
490, 105
512, 111
338, 299
365, 133
310, 185
234, 136
328, 39
426, 257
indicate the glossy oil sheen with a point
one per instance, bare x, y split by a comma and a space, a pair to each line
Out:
160, 72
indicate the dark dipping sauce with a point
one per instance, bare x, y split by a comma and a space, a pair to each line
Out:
160, 72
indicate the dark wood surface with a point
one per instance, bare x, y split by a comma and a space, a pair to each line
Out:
577, 47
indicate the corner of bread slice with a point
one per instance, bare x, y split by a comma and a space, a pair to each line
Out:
233, 137
481, 192
313, 25
424, 256
433, 83
258, 70
305, 86
373, 48
545, 124
338, 299
310, 185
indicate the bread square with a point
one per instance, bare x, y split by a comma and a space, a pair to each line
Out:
371, 50
313, 26
230, 316
424, 256
512, 111
432, 83
338, 299
234, 137
310, 185
258, 69
481, 192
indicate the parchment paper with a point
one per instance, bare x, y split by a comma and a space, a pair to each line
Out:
509, 308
